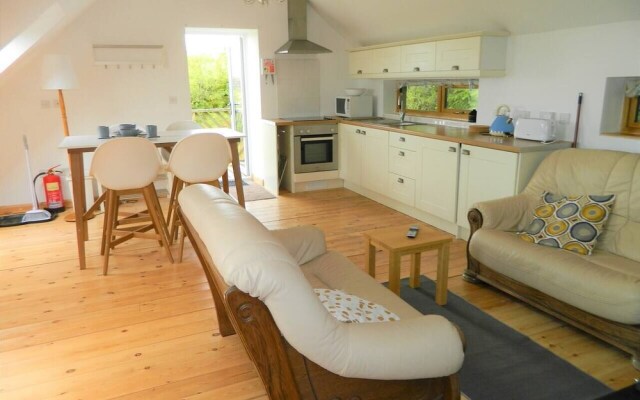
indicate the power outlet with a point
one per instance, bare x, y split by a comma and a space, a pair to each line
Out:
547, 115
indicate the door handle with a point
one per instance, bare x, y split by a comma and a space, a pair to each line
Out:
455, 68
400, 180
358, 131
452, 149
402, 139
401, 153
385, 70
416, 69
466, 152
364, 132
359, 72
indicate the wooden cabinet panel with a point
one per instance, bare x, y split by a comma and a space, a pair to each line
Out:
403, 162
386, 60
458, 54
375, 162
485, 174
419, 57
351, 150
402, 189
437, 184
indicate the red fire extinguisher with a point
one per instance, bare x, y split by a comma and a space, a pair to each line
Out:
52, 189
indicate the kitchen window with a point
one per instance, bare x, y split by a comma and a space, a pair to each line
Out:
442, 99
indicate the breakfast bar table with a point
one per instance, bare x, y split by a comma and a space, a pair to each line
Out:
76, 146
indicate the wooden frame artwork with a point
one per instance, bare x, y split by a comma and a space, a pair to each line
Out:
630, 111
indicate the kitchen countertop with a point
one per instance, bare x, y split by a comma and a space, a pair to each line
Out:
442, 132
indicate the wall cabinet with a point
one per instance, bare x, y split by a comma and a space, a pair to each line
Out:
437, 187
464, 56
364, 157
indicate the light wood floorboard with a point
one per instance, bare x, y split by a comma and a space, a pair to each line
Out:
148, 330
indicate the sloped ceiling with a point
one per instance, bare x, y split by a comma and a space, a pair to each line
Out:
368, 22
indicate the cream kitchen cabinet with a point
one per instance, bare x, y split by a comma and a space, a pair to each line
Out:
437, 185
487, 174
385, 60
471, 55
403, 164
419, 57
364, 157
479, 53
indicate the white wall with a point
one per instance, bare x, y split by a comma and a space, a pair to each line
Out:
137, 95
546, 71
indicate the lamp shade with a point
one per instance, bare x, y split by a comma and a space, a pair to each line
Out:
58, 73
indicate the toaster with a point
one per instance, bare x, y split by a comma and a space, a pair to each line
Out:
541, 130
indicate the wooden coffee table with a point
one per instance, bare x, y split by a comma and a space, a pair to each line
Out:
393, 240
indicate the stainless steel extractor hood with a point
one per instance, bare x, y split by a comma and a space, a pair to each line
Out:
298, 43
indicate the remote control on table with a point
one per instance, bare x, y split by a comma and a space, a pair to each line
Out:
413, 231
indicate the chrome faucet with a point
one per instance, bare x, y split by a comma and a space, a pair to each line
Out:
402, 101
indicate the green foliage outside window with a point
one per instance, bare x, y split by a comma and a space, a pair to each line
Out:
426, 97
422, 97
461, 99
208, 81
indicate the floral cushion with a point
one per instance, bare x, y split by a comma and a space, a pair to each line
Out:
569, 222
349, 308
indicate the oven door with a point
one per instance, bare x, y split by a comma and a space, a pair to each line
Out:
315, 153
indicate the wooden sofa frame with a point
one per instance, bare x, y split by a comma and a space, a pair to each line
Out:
623, 336
287, 374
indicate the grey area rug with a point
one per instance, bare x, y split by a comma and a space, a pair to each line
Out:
501, 363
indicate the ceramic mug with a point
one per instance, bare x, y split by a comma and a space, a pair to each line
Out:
152, 131
103, 132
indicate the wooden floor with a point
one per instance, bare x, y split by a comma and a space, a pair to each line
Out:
148, 330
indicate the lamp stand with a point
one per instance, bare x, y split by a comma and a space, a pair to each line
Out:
71, 217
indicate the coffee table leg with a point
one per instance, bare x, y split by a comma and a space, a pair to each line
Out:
370, 258
394, 272
443, 274
414, 281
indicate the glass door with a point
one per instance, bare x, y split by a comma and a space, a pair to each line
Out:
216, 82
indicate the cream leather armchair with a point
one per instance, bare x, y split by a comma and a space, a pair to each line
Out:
598, 293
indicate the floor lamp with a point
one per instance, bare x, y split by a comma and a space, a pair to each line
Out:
58, 74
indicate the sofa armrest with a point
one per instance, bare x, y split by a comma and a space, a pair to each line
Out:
304, 243
428, 346
506, 214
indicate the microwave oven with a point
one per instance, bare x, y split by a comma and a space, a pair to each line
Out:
354, 106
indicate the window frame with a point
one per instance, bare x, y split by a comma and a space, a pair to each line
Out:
629, 112
441, 112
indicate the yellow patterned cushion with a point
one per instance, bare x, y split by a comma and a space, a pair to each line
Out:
349, 308
569, 222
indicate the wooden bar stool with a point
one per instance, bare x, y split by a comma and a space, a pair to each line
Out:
126, 166
199, 158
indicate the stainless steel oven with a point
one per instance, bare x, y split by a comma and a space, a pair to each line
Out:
315, 148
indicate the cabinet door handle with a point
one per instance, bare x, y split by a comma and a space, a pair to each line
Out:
455, 68
385, 70
400, 180
401, 153
416, 69
364, 132
466, 152
359, 72
453, 149
401, 139
358, 131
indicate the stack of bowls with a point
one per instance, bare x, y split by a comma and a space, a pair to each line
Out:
128, 130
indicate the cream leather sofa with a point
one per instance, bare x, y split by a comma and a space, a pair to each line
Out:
599, 293
263, 281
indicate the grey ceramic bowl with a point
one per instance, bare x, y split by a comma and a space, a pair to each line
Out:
129, 132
